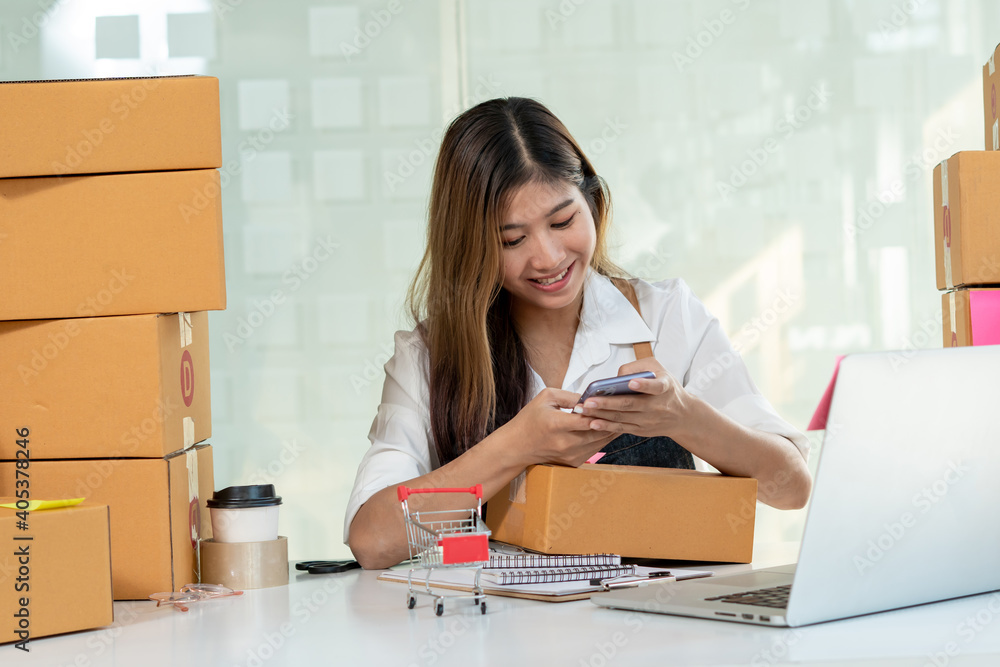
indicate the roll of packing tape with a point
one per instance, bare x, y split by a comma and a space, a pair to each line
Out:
245, 565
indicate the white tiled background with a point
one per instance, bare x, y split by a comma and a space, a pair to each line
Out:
329, 135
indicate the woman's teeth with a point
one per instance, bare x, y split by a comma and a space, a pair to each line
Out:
549, 281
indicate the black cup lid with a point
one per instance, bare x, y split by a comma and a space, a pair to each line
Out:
241, 497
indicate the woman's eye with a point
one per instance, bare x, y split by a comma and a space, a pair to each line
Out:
564, 223
511, 244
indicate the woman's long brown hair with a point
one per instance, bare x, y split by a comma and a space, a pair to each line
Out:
479, 376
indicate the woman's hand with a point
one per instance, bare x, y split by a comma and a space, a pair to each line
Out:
663, 406
547, 434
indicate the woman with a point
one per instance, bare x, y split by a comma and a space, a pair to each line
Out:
517, 314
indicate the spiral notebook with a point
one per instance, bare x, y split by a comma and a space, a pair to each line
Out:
505, 561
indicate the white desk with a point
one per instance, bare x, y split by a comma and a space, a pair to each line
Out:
353, 619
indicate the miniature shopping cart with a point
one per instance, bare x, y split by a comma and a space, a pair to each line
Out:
446, 539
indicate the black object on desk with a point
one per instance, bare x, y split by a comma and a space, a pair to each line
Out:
327, 566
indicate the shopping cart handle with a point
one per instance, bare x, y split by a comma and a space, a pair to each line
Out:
403, 492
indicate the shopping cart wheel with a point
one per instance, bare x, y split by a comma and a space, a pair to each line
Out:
439, 610
411, 602
482, 607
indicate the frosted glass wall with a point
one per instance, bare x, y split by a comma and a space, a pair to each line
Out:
774, 153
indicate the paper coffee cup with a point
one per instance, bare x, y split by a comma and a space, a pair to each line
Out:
245, 513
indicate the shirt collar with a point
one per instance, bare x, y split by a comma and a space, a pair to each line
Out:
608, 314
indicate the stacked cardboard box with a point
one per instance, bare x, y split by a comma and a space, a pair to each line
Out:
967, 232
110, 252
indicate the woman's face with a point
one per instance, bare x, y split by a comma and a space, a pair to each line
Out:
548, 240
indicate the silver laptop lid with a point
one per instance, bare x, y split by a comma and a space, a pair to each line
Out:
906, 503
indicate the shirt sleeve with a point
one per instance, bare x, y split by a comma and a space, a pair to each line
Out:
400, 434
716, 372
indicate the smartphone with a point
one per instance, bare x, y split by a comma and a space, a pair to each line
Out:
614, 386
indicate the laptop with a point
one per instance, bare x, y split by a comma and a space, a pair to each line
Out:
904, 505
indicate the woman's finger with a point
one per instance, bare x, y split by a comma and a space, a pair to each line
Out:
573, 422
561, 398
609, 416
652, 387
610, 426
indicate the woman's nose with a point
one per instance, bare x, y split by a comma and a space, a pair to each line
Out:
549, 253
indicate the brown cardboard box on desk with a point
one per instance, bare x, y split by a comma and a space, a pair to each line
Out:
637, 512
967, 219
105, 387
116, 244
95, 126
158, 511
66, 572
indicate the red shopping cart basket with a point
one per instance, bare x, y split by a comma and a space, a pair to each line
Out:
446, 539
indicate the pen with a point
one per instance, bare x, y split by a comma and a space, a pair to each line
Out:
610, 584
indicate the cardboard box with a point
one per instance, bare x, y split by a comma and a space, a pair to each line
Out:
967, 219
158, 512
121, 244
990, 79
105, 387
971, 317
68, 571
633, 511
99, 126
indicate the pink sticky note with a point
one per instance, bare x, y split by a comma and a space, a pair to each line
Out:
984, 308
818, 421
596, 457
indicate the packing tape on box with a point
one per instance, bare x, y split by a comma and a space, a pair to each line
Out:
951, 308
186, 332
188, 432
996, 136
245, 565
992, 66
194, 509
517, 492
946, 227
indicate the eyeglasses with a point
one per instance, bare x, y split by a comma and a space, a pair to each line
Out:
193, 593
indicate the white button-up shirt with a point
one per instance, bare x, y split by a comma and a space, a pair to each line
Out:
687, 341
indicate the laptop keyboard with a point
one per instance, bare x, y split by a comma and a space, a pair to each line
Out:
776, 597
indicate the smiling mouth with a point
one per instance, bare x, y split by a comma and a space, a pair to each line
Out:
553, 279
